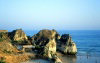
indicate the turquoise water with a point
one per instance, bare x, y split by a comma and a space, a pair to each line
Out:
87, 41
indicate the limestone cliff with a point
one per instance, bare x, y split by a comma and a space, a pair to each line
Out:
66, 45
50, 48
46, 41
19, 36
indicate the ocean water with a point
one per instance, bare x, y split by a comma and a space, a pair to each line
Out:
87, 41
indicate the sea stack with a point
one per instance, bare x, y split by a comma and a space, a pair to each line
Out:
66, 45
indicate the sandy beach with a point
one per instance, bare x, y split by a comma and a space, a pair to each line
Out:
70, 59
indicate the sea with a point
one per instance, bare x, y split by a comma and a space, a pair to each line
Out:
87, 41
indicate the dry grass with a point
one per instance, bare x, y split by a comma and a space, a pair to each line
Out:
13, 56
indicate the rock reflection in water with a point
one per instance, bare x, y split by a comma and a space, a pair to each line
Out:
69, 59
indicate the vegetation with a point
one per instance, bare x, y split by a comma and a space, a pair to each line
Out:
5, 51
3, 36
16, 42
1, 39
37, 47
2, 60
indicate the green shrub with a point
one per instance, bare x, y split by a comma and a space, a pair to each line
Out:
37, 46
5, 51
13, 42
1, 39
2, 60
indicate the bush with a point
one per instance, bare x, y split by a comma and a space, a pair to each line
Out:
5, 51
37, 46
2, 60
1, 39
16, 42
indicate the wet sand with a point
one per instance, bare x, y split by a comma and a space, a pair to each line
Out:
70, 59
80, 59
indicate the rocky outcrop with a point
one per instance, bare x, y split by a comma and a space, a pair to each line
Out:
19, 36
4, 31
7, 47
45, 40
44, 43
55, 59
50, 48
66, 45
4, 35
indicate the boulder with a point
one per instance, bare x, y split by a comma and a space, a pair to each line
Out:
55, 59
66, 45
45, 41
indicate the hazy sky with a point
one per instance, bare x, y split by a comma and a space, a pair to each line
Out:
51, 14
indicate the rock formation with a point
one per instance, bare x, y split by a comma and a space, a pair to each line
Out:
7, 47
4, 31
55, 59
4, 35
66, 45
19, 36
46, 41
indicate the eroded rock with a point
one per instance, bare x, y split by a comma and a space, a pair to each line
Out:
7, 47
19, 37
4, 35
55, 59
45, 40
66, 45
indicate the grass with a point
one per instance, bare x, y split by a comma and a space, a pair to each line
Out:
2, 60
16, 42
5, 51
1, 39
37, 46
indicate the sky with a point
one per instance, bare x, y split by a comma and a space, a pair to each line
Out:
50, 14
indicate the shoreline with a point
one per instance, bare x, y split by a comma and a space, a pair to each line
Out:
47, 44
69, 59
